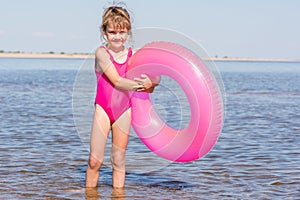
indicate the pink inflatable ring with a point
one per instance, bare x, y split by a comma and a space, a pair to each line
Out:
203, 94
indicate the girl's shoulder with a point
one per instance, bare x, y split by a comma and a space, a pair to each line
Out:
102, 58
101, 54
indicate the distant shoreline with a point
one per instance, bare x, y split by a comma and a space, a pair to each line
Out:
85, 56
45, 55
253, 60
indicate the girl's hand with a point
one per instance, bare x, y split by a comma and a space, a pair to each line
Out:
145, 82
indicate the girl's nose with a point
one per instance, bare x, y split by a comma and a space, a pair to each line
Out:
118, 36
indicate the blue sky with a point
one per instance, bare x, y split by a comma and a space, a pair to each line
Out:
234, 28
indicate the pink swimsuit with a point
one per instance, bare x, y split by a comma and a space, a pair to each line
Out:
114, 101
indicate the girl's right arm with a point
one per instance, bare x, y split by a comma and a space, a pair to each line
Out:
104, 63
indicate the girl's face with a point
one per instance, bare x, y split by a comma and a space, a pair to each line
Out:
116, 37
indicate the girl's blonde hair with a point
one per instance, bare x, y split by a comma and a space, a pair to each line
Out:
116, 16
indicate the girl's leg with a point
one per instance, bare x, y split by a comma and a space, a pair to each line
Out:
120, 135
100, 131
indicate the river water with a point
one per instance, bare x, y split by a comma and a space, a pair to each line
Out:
257, 156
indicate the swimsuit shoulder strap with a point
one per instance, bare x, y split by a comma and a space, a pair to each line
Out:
129, 52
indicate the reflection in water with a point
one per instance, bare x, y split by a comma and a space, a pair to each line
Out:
92, 193
118, 193
95, 193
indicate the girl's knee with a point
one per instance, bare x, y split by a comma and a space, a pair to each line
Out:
94, 163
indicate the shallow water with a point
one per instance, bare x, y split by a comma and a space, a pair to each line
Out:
256, 156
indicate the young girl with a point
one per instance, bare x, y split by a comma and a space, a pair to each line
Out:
112, 107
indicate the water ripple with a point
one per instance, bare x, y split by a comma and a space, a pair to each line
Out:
256, 156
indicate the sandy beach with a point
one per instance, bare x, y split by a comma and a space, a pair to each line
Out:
84, 56
44, 55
